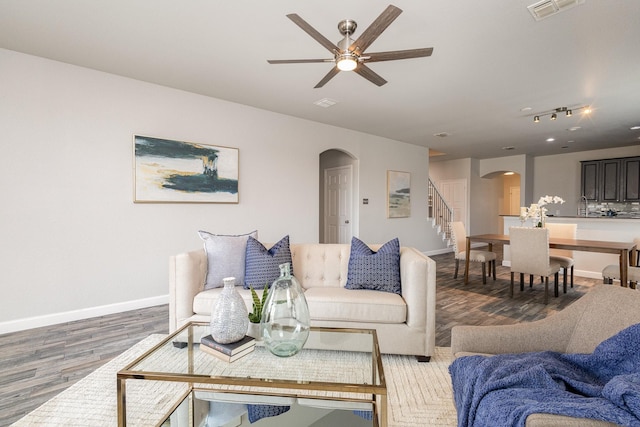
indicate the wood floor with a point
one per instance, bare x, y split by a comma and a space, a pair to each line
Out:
37, 364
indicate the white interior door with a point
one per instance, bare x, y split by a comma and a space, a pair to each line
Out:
337, 204
454, 192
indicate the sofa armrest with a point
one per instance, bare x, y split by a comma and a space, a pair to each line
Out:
551, 333
418, 278
187, 273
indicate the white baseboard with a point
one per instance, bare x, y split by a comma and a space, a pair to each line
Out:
84, 313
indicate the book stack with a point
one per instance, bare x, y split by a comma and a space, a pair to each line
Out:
227, 352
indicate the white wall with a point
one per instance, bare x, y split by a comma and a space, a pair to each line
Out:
74, 243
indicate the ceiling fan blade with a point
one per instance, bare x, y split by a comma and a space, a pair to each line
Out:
297, 61
369, 74
331, 74
331, 47
375, 29
398, 54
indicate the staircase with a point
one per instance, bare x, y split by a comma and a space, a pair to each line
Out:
439, 213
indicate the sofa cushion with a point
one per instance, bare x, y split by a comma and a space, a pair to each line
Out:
262, 264
340, 304
225, 256
378, 271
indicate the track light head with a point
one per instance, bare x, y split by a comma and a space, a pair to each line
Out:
569, 113
536, 119
554, 116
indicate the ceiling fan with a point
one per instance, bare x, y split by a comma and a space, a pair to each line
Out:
349, 55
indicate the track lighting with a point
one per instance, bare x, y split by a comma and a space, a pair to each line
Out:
554, 113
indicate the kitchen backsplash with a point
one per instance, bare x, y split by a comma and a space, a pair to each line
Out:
631, 209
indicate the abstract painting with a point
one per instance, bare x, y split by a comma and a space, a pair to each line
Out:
398, 194
183, 172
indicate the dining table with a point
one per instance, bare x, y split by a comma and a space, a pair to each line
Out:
625, 250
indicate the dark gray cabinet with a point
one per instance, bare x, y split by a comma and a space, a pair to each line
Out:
611, 180
590, 179
631, 179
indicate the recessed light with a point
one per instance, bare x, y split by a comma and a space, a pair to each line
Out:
509, 173
575, 128
441, 134
523, 109
634, 127
570, 141
565, 146
550, 139
509, 148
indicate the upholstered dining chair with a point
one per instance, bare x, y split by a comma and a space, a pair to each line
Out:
612, 272
562, 256
529, 249
459, 237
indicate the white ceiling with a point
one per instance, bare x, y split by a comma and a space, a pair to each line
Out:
491, 59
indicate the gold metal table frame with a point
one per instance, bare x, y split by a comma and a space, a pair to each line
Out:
371, 391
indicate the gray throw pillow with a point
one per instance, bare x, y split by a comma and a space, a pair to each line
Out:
225, 257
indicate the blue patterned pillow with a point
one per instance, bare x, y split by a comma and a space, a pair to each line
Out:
377, 271
257, 412
262, 265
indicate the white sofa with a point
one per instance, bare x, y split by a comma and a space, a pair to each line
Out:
404, 324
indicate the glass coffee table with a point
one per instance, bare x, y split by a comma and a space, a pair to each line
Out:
338, 373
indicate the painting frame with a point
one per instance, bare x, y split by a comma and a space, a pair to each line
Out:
398, 194
174, 171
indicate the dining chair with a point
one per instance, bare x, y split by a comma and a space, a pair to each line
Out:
612, 272
529, 249
459, 237
562, 256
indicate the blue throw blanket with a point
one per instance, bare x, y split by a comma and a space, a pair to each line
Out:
503, 390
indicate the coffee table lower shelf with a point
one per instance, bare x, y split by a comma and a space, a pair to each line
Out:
337, 376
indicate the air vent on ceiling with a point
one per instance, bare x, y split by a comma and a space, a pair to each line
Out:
545, 8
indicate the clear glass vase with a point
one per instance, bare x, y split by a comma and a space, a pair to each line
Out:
285, 317
229, 315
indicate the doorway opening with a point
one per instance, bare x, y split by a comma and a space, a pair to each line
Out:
338, 197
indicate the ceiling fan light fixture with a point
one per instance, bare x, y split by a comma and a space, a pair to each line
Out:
346, 62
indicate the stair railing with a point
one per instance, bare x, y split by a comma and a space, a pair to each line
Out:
439, 210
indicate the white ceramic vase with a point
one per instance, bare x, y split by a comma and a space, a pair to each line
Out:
229, 315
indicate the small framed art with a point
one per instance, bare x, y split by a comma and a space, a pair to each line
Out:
398, 194
170, 171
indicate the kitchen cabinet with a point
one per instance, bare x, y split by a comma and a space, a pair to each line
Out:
611, 180
631, 179
590, 187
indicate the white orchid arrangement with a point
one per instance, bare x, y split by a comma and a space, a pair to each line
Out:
537, 211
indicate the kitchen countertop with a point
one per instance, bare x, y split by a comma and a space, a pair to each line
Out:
600, 217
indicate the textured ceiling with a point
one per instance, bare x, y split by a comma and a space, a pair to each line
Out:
491, 59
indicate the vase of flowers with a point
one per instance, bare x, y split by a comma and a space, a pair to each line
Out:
537, 212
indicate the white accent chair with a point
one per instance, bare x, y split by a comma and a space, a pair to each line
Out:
562, 256
459, 237
612, 272
530, 255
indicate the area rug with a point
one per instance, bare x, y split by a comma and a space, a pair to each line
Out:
419, 394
